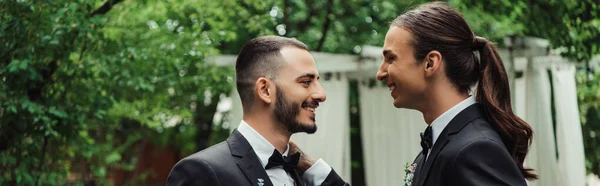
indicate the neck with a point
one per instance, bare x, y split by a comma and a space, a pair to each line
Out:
439, 101
270, 129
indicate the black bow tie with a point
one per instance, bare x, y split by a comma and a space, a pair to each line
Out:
426, 140
289, 163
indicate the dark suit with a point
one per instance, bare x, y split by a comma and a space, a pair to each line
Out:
229, 163
469, 151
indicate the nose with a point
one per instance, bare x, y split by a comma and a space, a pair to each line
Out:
319, 94
382, 73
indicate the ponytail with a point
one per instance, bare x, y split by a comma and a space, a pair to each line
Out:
493, 92
437, 26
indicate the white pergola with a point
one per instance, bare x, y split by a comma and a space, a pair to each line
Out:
390, 136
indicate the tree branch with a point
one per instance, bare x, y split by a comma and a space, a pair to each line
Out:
35, 93
42, 159
326, 25
286, 18
204, 122
303, 26
105, 7
250, 8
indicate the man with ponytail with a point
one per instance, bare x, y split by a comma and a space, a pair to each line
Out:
430, 65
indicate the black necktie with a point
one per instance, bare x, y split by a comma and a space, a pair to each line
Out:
426, 140
289, 164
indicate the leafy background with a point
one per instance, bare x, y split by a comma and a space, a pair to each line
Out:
90, 89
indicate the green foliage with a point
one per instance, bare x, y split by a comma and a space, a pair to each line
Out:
83, 82
573, 26
324, 25
588, 93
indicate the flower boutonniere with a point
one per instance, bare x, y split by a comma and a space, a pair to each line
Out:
409, 170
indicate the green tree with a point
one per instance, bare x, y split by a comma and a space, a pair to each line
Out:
84, 81
573, 26
588, 93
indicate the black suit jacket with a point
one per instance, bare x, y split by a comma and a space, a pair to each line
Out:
229, 163
469, 151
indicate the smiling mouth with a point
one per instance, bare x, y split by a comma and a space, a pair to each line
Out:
391, 86
309, 109
310, 106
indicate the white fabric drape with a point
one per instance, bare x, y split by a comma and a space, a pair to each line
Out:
390, 136
332, 139
571, 156
532, 98
331, 142
236, 112
519, 92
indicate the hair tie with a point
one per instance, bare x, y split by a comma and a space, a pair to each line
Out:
479, 42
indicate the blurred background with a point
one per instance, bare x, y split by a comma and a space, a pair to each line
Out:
115, 92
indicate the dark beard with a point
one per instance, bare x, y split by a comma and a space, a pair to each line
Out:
286, 112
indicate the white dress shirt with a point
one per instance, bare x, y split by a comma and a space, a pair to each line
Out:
440, 123
315, 175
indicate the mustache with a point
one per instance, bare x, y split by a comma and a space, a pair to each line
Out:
307, 103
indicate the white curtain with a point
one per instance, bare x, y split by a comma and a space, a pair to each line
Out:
236, 112
569, 138
519, 93
390, 136
332, 139
532, 104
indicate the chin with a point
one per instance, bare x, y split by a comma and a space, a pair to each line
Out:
311, 129
310, 124
398, 104
308, 127
403, 104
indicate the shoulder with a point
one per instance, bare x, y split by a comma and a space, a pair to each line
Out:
481, 158
481, 148
209, 155
477, 138
476, 132
484, 162
205, 162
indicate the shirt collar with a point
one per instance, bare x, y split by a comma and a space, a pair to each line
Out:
438, 125
263, 148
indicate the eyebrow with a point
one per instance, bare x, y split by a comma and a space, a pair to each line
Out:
309, 75
386, 52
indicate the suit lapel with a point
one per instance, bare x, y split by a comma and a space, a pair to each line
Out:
249, 163
424, 171
455, 126
253, 170
418, 162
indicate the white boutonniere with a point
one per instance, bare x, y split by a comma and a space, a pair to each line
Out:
409, 170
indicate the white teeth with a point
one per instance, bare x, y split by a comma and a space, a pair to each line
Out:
309, 109
392, 87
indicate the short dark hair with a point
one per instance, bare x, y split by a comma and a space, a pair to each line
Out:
260, 57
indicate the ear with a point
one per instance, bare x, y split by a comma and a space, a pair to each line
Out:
433, 63
264, 90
